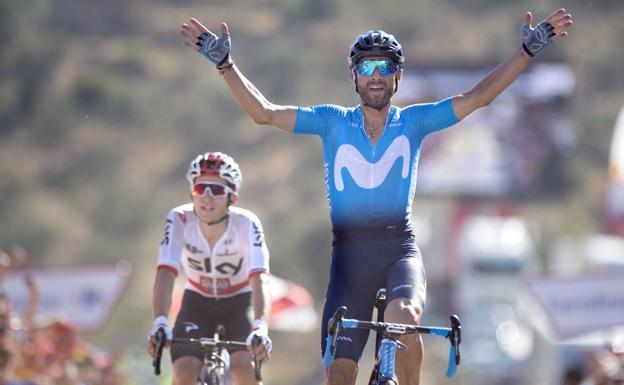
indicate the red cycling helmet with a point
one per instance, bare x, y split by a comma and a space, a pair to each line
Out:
215, 163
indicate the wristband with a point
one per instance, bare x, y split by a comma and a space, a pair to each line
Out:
161, 320
226, 68
260, 324
226, 64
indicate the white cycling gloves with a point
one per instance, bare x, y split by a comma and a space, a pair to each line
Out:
261, 330
160, 322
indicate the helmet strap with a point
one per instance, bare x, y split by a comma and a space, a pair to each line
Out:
218, 220
223, 217
211, 223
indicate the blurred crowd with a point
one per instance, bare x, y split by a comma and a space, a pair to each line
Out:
596, 367
45, 352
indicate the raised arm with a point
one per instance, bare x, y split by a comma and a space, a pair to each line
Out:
534, 40
217, 50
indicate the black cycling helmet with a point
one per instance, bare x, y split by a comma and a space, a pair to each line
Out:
376, 43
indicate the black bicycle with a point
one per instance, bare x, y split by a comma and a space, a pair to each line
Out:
387, 342
216, 355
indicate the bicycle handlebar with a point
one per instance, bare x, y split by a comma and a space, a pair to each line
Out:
216, 344
338, 322
206, 342
161, 341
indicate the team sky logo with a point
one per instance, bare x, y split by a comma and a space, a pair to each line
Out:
371, 175
165, 240
258, 234
205, 265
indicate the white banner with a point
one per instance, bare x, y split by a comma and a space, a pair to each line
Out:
581, 305
83, 295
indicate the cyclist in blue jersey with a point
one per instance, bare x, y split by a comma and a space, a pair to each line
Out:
371, 155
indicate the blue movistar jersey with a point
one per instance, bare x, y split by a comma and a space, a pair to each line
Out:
372, 186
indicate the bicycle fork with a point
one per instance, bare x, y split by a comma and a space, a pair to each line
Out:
385, 348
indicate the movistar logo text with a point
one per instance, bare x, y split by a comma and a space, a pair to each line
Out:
370, 175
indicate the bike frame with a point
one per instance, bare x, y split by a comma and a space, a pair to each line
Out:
216, 355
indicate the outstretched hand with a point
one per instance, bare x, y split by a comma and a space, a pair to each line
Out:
199, 38
548, 31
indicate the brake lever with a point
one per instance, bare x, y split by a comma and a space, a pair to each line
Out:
161, 340
255, 342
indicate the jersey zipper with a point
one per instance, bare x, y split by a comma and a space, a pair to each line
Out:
212, 255
374, 153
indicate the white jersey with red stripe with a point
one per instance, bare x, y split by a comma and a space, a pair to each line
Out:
222, 271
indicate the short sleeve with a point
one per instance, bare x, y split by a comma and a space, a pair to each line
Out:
316, 120
258, 252
431, 117
172, 242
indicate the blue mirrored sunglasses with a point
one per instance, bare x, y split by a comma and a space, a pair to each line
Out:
367, 67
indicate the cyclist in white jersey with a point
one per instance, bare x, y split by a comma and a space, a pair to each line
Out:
222, 250
371, 155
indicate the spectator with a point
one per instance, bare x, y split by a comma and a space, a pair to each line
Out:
46, 354
604, 368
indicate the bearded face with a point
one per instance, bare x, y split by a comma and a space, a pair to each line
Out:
374, 89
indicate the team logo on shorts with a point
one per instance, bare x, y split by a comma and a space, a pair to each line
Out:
401, 287
189, 326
